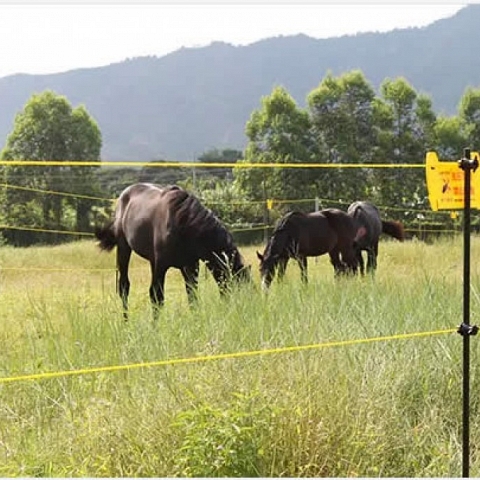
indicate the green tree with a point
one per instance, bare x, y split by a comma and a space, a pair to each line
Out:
214, 155
153, 172
278, 132
342, 113
406, 124
85, 145
451, 137
227, 155
49, 129
469, 112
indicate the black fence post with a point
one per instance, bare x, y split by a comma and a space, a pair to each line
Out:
465, 329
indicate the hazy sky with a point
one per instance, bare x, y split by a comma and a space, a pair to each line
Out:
53, 37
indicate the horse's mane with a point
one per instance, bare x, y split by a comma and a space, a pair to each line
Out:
288, 224
196, 220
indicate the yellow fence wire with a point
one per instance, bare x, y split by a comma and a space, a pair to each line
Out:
223, 356
79, 163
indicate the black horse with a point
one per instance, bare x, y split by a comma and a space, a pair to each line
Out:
369, 228
300, 235
169, 227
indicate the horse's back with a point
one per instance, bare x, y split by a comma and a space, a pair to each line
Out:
143, 201
316, 235
143, 216
340, 221
325, 228
356, 208
138, 194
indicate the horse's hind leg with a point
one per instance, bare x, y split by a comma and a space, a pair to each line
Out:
360, 261
190, 275
302, 262
124, 253
156, 291
372, 258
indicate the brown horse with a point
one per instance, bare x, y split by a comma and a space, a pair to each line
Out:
370, 226
300, 235
169, 227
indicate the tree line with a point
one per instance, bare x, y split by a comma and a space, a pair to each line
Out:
344, 122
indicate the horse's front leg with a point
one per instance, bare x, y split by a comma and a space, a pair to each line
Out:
190, 276
350, 257
338, 265
124, 253
157, 294
302, 263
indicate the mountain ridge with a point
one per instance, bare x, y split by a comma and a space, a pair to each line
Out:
178, 105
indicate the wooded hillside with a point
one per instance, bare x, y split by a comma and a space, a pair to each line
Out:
182, 104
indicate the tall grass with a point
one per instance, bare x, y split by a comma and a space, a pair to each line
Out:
386, 408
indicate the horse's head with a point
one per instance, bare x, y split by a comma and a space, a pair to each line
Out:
268, 264
228, 267
276, 255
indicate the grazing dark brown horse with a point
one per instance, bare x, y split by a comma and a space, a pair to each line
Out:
300, 235
369, 227
169, 227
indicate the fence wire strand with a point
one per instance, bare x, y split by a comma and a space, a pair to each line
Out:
223, 356
112, 163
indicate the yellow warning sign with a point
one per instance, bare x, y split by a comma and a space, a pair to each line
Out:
269, 204
445, 184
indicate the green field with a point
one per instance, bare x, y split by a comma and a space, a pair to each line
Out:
390, 408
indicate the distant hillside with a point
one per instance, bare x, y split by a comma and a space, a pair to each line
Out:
184, 103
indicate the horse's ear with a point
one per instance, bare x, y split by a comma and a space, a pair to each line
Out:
260, 256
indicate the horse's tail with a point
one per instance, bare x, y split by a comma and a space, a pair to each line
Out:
394, 229
106, 237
